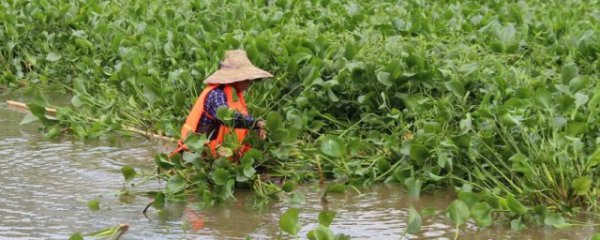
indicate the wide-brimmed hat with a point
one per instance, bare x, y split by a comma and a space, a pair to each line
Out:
236, 67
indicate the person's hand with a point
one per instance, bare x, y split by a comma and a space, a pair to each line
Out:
261, 124
262, 134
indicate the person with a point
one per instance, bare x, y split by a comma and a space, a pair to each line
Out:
235, 73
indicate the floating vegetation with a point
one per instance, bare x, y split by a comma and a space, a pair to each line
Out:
289, 224
111, 233
497, 99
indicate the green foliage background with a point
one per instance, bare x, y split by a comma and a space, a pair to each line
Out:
497, 96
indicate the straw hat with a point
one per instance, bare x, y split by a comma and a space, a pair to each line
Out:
236, 68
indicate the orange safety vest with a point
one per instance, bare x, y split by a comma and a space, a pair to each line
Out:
193, 119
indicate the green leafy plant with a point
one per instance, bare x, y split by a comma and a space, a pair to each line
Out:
499, 95
289, 223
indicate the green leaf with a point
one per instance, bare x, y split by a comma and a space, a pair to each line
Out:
52, 132
594, 158
509, 120
110, 232
568, 72
37, 110
575, 129
495, 202
350, 50
543, 98
297, 198
274, 121
252, 155
555, 220
481, 213
79, 85
39, 98
595, 102
220, 176
459, 212
384, 78
249, 171
341, 236
520, 163
539, 214
29, 118
326, 217
128, 173
468, 69
413, 186
289, 221
323, 233
582, 185
76, 236
310, 235
469, 198
332, 96
159, 200
335, 188
76, 101
428, 212
332, 146
226, 115
191, 157
169, 49
418, 152
175, 184
162, 161
456, 88
414, 221
517, 225
596, 236
288, 186
196, 142
515, 206
507, 34
53, 57
463, 140
93, 204
578, 83
581, 99
383, 165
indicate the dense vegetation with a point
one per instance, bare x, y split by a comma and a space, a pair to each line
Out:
496, 98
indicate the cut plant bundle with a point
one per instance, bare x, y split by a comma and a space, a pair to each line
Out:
499, 99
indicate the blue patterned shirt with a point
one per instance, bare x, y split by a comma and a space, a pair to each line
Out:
216, 98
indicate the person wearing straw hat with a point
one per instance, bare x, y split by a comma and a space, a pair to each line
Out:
235, 73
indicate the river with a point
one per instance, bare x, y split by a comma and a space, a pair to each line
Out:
45, 185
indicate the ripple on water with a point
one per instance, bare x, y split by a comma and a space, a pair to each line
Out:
46, 184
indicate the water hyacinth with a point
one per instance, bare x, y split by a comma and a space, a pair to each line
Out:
498, 99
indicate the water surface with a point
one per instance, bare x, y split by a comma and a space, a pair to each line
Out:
45, 185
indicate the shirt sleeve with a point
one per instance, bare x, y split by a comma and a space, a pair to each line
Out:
216, 98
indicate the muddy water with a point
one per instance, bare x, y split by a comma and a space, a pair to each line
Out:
45, 186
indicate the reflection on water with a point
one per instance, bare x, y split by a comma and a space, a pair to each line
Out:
45, 185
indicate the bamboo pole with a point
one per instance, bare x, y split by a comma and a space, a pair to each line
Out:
149, 134
23, 106
52, 112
